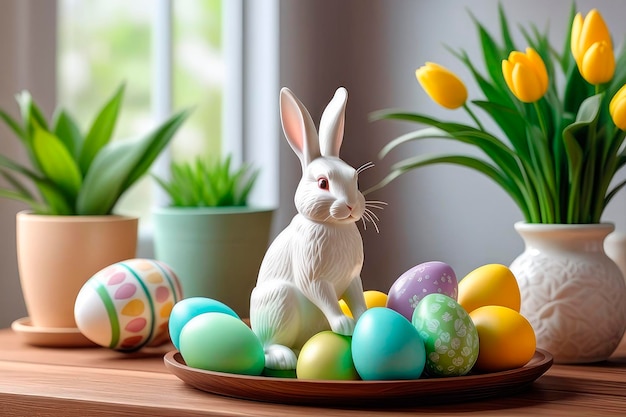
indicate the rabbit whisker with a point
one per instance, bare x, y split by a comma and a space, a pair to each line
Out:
376, 206
365, 166
372, 215
368, 216
384, 203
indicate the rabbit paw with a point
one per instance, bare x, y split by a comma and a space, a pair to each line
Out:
343, 325
280, 357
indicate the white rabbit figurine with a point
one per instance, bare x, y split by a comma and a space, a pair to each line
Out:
317, 259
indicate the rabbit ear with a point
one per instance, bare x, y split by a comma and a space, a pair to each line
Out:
298, 127
332, 124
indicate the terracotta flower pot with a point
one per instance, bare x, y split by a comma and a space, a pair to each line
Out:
58, 254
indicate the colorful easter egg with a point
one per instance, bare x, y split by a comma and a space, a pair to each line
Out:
386, 346
450, 337
507, 340
373, 298
223, 343
186, 309
127, 305
326, 355
427, 278
491, 284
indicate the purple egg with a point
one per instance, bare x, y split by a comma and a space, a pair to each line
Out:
418, 282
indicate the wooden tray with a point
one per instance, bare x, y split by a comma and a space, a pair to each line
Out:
361, 393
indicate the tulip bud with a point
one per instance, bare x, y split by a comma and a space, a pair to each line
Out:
592, 48
526, 75
442, 85
617, 108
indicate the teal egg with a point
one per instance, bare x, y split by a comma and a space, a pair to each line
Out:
188, 308
449, 335
386, 346
223, 343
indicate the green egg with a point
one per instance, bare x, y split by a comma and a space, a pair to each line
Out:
449, 335
223, 343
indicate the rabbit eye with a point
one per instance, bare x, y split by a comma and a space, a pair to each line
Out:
322, 183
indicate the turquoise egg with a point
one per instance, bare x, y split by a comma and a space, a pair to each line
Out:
449, 335
386, 346
223, 343
188, 308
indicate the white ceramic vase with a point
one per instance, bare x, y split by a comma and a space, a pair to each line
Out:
573, 294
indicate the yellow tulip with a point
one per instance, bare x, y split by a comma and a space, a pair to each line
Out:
617, 108
592, 48
442, 85
526, 75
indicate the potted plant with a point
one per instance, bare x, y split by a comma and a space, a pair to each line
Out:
562, 122
72, 184
209, 235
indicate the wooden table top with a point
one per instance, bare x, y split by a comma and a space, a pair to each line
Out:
100, 382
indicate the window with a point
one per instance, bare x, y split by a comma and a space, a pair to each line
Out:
170, 56
221, 57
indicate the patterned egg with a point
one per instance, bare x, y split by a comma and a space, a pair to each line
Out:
419, 281
449, 335
127, 305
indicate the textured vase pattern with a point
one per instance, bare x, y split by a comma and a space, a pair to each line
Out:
573, 294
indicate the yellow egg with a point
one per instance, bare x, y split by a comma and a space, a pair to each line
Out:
326, 355
506, 338
491, 284
373, 298
344, 307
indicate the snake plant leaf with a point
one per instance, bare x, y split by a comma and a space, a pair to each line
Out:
65, 128
12, 124
17, 185
14, 166
119, 164
30, 111
54, 198
20, 196
31, 116
56, 162
101, 130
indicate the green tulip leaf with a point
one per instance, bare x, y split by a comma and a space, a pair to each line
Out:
619, 78
509, 45
576, 90
589, 109
510, 121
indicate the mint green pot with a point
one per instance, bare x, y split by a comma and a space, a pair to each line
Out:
216, 252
